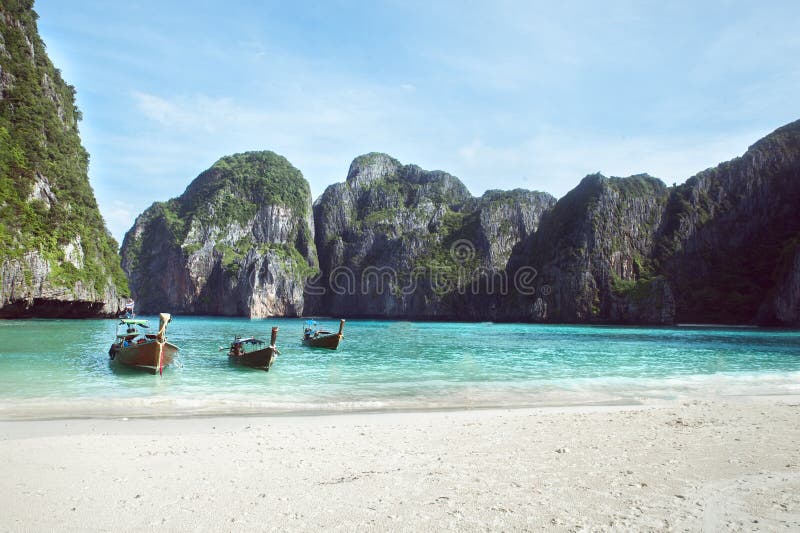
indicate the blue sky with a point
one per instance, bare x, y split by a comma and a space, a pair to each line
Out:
500, 94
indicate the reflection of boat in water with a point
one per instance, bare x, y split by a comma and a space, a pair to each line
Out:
322, 339
261, 358
144, 351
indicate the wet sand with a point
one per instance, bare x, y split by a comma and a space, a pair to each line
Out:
726, 463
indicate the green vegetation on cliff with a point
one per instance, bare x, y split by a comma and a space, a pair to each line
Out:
41, 153
239, 240
422, 230
231, 192
267, 178
593, 250
404, 203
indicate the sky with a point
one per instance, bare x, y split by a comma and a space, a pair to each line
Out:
502, 94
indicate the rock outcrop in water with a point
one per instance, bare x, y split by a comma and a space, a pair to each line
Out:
396, 241
56, 257
239, 241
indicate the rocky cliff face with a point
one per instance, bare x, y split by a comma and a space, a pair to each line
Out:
722, 247
730, 233
238, 241
782, 306
397, 241
505, 218
592, 257
56, 256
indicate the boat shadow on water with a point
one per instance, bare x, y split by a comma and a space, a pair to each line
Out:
120, 369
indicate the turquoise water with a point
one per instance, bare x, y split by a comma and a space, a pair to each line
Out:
61, 367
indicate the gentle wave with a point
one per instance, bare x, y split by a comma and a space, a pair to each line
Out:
565, 392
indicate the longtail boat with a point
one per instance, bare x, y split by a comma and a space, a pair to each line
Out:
261, 358
140, 350
322, 339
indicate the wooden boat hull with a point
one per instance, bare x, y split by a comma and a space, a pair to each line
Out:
331, 342
144, 356
324, 339
261, 359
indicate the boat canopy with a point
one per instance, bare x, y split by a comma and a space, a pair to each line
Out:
134, 322
126, 335
311, 322
248, 340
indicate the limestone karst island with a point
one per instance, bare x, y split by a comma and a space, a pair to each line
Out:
235, 295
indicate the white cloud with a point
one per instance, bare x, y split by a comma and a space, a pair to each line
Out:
119, 217
179, 136
156, 108
202, 112
472, 151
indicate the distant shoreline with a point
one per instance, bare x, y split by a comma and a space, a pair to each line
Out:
709, 325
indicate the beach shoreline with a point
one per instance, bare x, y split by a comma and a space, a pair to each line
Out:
568, 393
10, 412
719, 463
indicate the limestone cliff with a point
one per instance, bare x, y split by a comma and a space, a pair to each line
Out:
56, 257
722, 247
238, 241
592, 257
398, 241
730, 234
782, 306
401, 242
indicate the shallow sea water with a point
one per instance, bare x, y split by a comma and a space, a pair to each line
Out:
53, 368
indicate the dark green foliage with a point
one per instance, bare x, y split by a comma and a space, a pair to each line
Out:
404, 195
39, 134
410, 183
267, 178
454, 226
640, 185
385, 204
637, 289
380, 217
566, 216
495, 197
228, 193
233, 189
571, 216
172, 214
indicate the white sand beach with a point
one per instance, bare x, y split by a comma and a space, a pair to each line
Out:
722, 464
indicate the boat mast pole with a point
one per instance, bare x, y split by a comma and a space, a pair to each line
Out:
274, 337
161, 339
